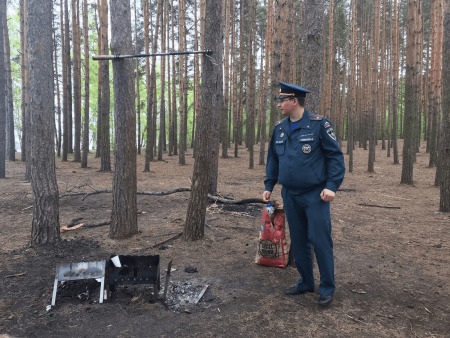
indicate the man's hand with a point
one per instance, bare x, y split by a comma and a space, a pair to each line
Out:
327, 195
266, 196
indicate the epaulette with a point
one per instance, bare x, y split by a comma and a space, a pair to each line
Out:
280, 122
314, 117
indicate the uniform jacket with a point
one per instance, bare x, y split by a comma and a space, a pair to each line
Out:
306, 158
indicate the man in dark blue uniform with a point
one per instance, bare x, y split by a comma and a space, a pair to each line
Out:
305, 158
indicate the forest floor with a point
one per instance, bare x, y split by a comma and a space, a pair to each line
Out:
392, 265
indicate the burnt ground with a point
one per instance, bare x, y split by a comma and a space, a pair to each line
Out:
392, 265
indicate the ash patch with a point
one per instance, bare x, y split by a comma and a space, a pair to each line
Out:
254, 210
183, 295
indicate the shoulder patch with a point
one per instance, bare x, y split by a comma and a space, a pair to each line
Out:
315, 118
279, 122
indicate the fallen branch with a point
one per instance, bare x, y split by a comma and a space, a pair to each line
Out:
355, 319
378, 206
212, 198
16, 275
81, 225
238, 202
151, 193
163, 242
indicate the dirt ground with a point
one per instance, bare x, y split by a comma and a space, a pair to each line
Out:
392, 265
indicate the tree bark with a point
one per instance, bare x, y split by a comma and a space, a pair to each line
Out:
444, 203
181, 89
207, 145
149, 142
69, 80
45, 225
67, 147
251, 87
277, 44
22, 5
138, 92
124, 210
162, 108
174, 92
330, 61
65, 140
58, 136
313, 68
11, 142
224, 120
373, 127
76, 81
2, 95
105, 152
395, 87
84, 160
410, 98
353, 89
26, 95
99, 80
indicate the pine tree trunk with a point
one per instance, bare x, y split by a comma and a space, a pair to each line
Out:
410, 98
58, 137
395, 87
99, 80
149, 140
373, 116
444, 204
2, 95
381, 92
440, 33
264, 88
276, 47
26, 96
65, 129
181, 91
86, 86
238, 122
330, 61
250, 130
138, 92
207, 144
352, 105
11, 142
313, 68
124, 210
162, 111
45, 224
22, 4
224, 120
105, 152
170, 81
69, 79
174, 93
76, 81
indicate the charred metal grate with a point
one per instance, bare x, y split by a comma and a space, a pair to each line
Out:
134, 270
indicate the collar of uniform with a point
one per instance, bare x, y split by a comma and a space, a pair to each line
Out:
304, 121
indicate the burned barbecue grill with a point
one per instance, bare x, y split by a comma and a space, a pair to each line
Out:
78, 271
134, 270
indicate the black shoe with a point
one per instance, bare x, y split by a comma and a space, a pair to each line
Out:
293, 291
325, 301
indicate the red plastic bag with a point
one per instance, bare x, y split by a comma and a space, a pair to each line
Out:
273, 248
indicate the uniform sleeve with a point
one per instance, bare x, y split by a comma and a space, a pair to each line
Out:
271, 166
334, 156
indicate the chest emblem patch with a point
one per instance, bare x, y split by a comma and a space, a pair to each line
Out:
306, 148
282, 134
331, 133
